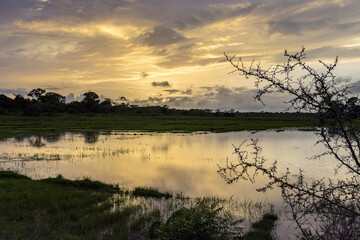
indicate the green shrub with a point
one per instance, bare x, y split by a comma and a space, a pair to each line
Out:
204, 221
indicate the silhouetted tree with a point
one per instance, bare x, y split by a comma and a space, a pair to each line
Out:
322, 209
52, 98
20, 102
6, 104
353, 107
36, 94
91, 101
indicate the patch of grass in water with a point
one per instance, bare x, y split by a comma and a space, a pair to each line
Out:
150, 192
85, 184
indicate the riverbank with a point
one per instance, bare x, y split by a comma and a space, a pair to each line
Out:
58, 208
15, 126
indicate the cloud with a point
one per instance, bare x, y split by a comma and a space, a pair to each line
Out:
71, 97
10, 92
219, 97
286, 27
172, 91
161, 36
160, 84
173, 61
187, 92
355, 88
343, 80
110, 46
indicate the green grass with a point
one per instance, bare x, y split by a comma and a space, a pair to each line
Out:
58, 208
150, 192
15, 126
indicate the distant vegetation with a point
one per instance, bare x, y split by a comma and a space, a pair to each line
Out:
91, 124
39, 102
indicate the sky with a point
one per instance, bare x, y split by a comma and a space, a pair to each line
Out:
167, 52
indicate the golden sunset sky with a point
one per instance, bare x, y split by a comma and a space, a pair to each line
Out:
157, 52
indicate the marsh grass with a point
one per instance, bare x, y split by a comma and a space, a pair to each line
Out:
77, 153
58, 208
150, 192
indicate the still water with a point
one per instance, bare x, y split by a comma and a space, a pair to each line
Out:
186, 163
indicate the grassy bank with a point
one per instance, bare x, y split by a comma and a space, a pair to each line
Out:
13, 126
57, 208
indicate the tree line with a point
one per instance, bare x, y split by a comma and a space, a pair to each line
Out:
38, 101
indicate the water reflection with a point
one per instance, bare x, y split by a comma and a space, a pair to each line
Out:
91, 137
37, 141
173, 162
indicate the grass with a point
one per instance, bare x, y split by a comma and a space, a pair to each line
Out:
262, 229
150, 193
58, 208
15, 126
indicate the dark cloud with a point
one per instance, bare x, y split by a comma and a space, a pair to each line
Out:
187, 92
183, 55
348, 26
326, 53
198, 17
161, 36
161, 84
286, 27
52, 88
333, 51
177, 102
343, 80
161, 52
297, 28
173, 61
171, 91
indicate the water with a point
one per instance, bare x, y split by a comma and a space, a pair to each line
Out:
174, 162
186, 163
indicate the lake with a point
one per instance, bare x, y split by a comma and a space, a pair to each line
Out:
175, 162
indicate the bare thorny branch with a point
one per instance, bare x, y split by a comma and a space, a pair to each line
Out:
327, 202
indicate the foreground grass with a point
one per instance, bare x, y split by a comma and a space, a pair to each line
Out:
57, 208
14, 126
